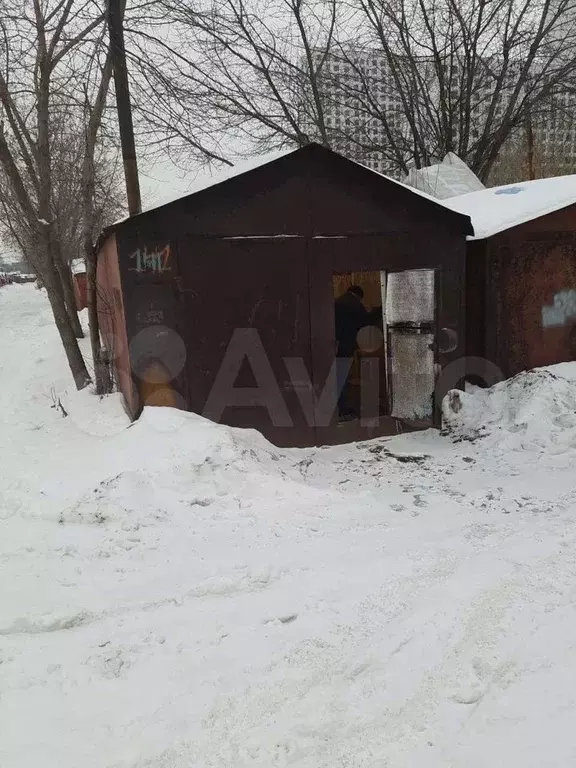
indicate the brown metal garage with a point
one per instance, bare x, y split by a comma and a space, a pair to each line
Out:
222, 302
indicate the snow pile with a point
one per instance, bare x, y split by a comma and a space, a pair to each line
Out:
108, 418
533, 411
185, 462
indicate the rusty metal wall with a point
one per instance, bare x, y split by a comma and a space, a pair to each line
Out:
80, 286
531, 307
112, 319
476, 298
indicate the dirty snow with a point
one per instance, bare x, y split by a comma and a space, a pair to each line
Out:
177, 594
533, 412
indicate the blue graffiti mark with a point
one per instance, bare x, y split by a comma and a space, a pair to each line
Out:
562, 309
509, 191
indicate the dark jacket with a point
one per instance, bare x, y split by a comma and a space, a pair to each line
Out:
350, 316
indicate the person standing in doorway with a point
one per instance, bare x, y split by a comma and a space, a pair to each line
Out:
350, 316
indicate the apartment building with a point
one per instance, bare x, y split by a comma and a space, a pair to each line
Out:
358, 90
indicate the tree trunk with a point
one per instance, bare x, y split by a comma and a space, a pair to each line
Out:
65, 274
70, 298
53, 285
102, 365
102, 378
530, 148
50, 274
123, 105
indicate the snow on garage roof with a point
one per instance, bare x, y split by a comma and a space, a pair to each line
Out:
449, 178
251, 164
496, 209
490, 210
207, 181
414, 190
78, 266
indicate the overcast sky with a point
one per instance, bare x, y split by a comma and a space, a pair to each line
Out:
160, 184
164, 182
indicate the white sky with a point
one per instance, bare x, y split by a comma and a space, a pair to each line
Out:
164, 182
160, 183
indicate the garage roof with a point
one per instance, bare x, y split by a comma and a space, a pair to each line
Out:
496, 209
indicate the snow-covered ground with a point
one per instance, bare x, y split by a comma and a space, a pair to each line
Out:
176, 594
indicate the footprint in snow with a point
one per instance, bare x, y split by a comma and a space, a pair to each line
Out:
469, 690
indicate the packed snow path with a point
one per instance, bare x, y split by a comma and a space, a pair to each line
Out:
176, 594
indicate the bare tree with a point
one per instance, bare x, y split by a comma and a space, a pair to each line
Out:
423, 77
240, 74
41, 48
93, 219
68, 149
533, 155
469, 73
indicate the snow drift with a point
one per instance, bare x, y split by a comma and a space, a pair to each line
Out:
533, 411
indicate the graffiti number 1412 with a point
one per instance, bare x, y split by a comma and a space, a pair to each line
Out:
151, 261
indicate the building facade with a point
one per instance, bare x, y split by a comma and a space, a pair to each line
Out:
368, 116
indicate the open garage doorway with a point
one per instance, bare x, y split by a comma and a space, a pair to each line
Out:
385, 333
